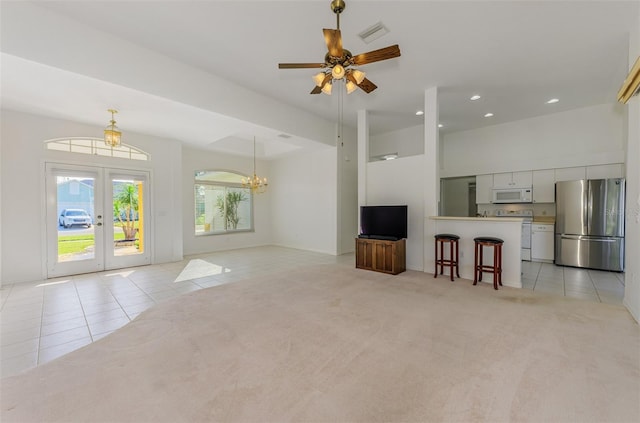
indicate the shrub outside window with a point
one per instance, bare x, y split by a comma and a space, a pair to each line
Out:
222, 205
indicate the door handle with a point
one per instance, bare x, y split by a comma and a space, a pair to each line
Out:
583, 238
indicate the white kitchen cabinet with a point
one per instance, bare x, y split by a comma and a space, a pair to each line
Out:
512, 180
571, 173
522, 179
542, 242
484, 185
544, 186
502, 180
605, 171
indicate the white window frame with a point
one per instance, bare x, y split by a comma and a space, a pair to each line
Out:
225, 185
96, 147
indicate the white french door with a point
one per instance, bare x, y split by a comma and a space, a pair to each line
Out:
116, 232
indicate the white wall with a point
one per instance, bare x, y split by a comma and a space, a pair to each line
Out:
194, 159
406, 142
22, 190
44, 38
394, 182
304, 201
581, 137
632, 230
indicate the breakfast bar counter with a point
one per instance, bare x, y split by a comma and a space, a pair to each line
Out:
467, 228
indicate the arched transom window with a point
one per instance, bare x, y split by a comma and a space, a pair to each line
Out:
97, 147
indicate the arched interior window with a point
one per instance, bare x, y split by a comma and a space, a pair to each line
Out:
97, 147
222, 205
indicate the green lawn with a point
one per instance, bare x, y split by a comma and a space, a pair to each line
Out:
71, 244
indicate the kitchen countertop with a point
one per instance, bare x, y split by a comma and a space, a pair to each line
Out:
549, 220
479, 219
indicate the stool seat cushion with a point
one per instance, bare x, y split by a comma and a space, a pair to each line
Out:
446, 236
488, 239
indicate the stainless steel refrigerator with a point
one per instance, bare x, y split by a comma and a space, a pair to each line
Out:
589, 230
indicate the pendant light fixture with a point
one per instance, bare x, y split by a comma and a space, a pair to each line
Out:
255, 184
112, 136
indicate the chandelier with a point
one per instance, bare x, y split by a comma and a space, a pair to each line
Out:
255, 184
112, 136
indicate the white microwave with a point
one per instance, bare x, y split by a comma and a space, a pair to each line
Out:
513, 195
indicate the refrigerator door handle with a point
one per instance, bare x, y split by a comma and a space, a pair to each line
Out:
585, 238
587, 197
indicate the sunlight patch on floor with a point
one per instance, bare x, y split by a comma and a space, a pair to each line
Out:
56, 282
198, 268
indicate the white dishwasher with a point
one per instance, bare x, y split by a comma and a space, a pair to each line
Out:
542, 240
527, 218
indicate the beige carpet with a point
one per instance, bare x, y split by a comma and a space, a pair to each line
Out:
330, 343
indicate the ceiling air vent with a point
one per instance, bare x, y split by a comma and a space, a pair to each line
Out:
284, 136
373, 32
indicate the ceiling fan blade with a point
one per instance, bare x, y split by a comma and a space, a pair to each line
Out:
316, 90
333, 38
300, 65
377, 55
367, 86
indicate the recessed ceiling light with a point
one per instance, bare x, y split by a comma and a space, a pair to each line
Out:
475, 97
553, 100
488, 115
440, 125
419, 113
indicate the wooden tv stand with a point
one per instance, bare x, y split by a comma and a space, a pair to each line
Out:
381, 255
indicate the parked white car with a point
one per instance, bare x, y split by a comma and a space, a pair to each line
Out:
70, 217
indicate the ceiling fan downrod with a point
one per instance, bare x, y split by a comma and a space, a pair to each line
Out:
337, 6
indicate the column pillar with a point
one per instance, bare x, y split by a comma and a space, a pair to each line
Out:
363, 158
431, 172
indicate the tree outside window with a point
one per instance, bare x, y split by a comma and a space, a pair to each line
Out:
222, 205
125, 208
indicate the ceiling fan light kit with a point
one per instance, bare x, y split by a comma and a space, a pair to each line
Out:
339, 63
337, 72
350, 86
319, 79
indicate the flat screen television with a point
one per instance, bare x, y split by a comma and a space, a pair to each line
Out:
383, 222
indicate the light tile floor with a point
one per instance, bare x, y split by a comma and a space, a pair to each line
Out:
43, 320
582, 284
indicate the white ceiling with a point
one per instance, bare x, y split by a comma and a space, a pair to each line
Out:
516, 54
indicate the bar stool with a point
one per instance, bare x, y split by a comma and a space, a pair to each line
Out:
452, 261
479, 267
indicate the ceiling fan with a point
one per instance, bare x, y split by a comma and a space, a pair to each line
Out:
339, 62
